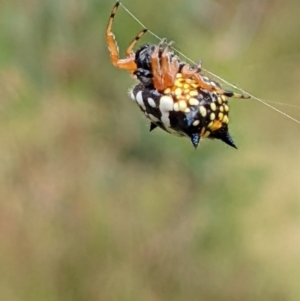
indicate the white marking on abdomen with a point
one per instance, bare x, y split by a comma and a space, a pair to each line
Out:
131, 94
151, 102
166, 106
140, 101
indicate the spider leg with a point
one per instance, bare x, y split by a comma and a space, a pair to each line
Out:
127, 63
169, 67
129, 51
235, 95
189, 73
156, 67
198, 67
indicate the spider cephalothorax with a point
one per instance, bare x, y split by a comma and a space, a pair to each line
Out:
171, 93
144, 60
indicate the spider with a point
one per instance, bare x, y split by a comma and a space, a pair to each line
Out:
174, 95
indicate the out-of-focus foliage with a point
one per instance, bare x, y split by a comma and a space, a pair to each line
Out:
94, 207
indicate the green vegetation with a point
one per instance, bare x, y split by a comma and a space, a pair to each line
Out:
94, 207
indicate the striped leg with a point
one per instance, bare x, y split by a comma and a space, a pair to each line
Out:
128, 62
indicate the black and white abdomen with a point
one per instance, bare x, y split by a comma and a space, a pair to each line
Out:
192, 112
156, 106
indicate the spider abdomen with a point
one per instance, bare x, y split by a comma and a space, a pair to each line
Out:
185, 110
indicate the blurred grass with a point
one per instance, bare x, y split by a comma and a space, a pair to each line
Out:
94, 207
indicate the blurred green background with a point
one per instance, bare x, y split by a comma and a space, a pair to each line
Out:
94, 207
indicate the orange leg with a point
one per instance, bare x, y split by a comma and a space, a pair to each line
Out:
164, 68
156, 68
187, 72
169, 67
128, 62
129, 51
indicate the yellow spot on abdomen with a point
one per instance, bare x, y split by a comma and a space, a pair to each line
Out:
193, 93
196, 122
224, 98
202, 111
178, 83
193, 101
213, 106
206, 134
178, 91
225, 119
216, 125
182, 105
176, 107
